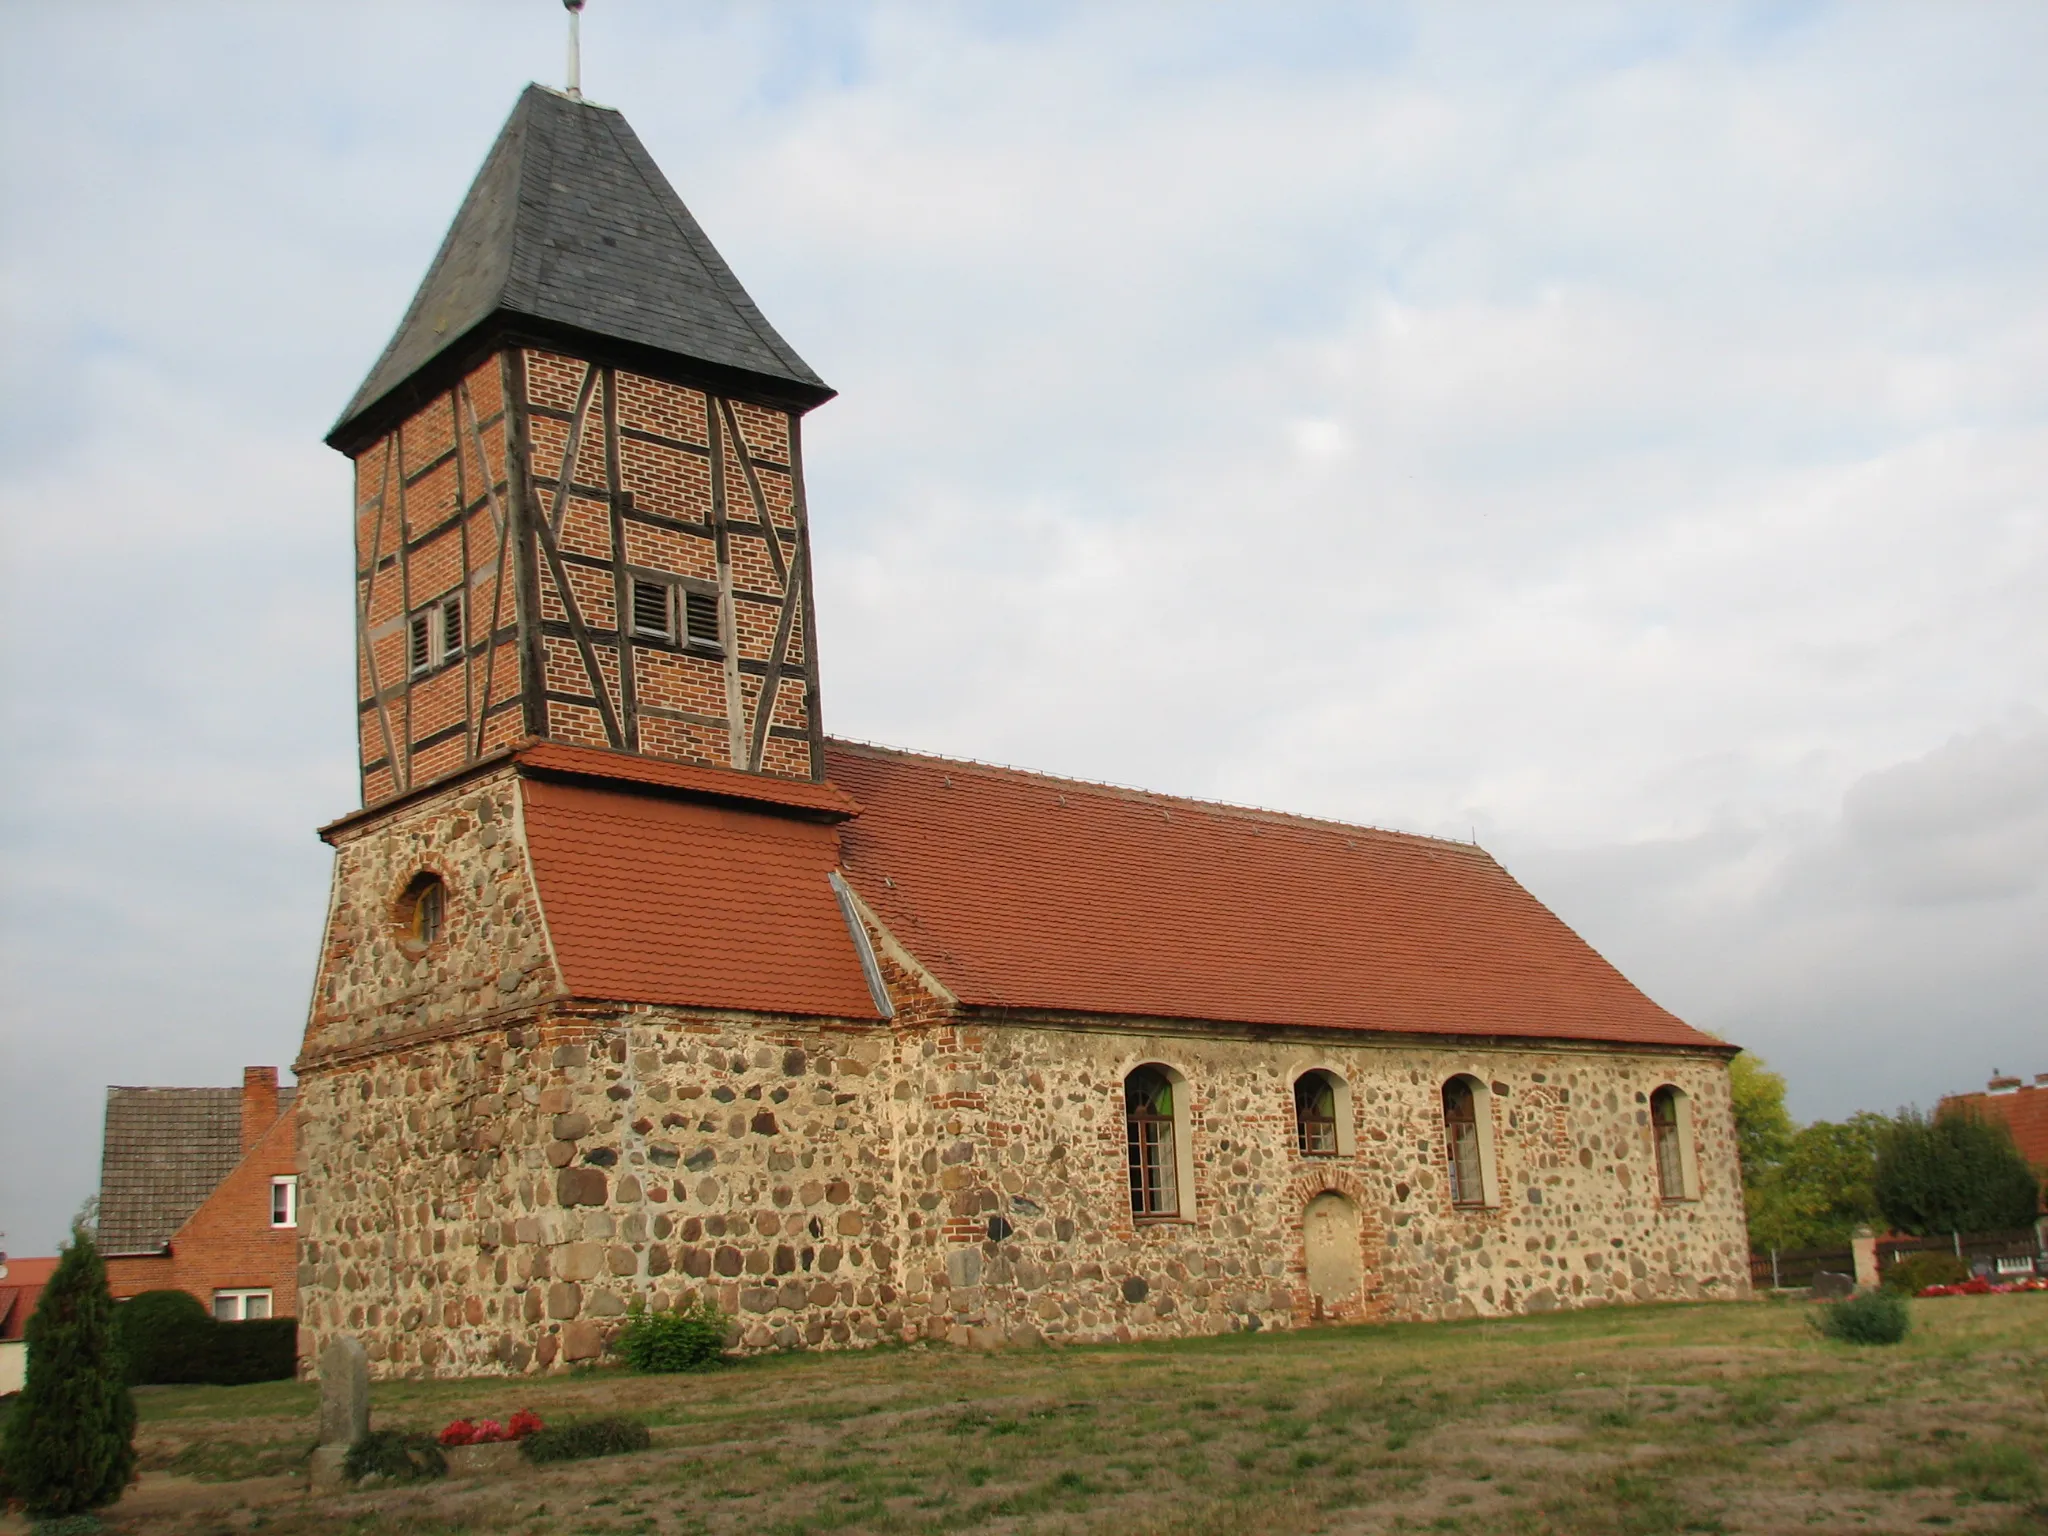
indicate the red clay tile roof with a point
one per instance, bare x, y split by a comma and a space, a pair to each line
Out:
658, 900
2025, 1110
1023, 891
20, 1289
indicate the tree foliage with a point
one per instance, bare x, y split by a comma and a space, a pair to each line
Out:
1763, 1129
1803, 1186
70, 1442
1956, 1172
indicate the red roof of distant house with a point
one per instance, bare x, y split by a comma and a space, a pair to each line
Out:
1023, 891
20, 1289
659, 900
2024, 1109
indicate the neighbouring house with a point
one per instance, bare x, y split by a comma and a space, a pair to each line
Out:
21, 1287
199, 1192
2021, 1106
638, 987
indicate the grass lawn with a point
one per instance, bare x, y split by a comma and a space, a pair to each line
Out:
1731, 1417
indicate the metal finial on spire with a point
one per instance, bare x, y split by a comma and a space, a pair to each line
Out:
575, 10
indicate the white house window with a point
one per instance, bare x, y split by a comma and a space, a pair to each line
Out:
241, 1306
284, 1202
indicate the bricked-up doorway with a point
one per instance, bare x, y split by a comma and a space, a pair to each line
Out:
1336, 1268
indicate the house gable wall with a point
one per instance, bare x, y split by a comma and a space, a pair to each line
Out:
229, 1243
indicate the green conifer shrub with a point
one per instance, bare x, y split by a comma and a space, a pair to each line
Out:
70, 1440
1868, 1317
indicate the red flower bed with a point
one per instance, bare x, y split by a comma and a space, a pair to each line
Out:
1979, 1286
487, 1431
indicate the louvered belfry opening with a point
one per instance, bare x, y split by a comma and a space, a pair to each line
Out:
651, 605
420, 644
703, 618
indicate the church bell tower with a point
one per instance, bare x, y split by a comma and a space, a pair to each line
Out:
579, 498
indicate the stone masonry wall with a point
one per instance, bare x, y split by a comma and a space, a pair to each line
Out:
1025, 1123
492, 959
496, 1201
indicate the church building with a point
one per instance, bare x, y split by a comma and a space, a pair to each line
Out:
636, 986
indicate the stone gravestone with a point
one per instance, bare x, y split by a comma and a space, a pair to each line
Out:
1832, 1287
344, 1406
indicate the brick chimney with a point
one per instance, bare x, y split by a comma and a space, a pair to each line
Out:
259, 1103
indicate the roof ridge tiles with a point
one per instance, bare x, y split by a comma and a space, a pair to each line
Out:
1164, 797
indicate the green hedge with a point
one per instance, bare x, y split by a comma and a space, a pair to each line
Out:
168, 1336
1916, 1272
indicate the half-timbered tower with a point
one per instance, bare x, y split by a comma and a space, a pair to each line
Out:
635, 987
579, 482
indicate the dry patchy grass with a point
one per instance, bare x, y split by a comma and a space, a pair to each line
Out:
1729, 1418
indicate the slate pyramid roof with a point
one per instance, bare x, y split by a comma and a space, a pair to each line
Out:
571, 228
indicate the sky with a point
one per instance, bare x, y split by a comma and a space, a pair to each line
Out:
1617, 434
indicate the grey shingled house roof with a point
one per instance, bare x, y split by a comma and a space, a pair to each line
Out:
570, 224
165, 1151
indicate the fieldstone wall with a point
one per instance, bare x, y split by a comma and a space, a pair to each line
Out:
491, 962
474, 1205
1016, 1133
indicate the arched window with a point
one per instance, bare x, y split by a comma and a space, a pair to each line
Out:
1315, 1114
1671, 1135
422, 912
1468, 1140
1155, 1131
